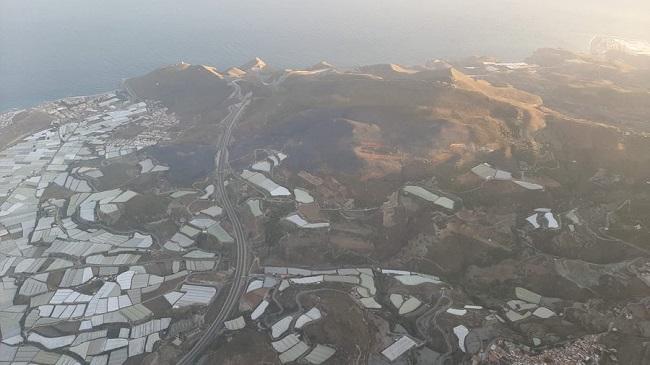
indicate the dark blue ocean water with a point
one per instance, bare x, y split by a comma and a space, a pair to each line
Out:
51, 49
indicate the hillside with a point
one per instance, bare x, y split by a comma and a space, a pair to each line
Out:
183, 88
384, 118
613, 88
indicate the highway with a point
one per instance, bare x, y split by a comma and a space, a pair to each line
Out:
239, 280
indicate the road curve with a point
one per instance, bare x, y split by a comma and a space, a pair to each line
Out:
239, 280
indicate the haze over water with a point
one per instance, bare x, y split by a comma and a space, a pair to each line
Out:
52, 49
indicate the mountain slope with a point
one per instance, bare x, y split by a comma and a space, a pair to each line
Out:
183, 88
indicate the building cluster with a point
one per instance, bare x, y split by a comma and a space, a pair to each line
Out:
437, 199
307, 214
68, 284
257, 175
543, 218
285, 331
507, 66
265, 184
584, 350
364, 291
206, 222
7, 118
486, 172
398, 348
526, 305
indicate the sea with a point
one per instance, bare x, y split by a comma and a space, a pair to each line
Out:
53, 49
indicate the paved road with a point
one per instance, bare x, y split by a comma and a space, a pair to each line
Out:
429, 320
436, 326
239, 280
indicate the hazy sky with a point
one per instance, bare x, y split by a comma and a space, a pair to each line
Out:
51, 48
